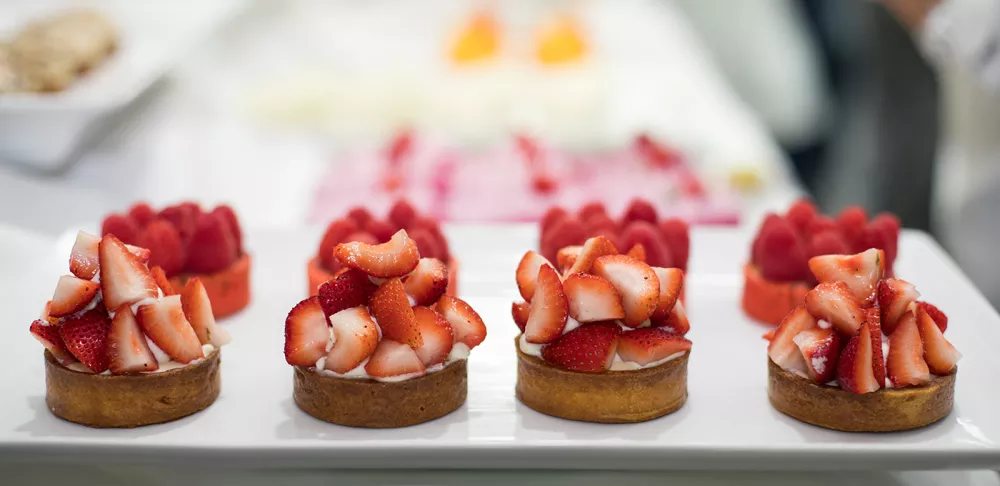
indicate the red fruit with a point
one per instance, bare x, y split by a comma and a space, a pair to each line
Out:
83, 259
520, 312
671, 283
48, 335
549, 308
160, 277
362, 237
394, 359
874, 236
184, 217
852, 221
861, 272
337, 232
72, 295
550, 218
86, 337
640, 210
164, 322
229, 215
128, 351
891, 226
800, 214
395, 258
635, 282
124, 279
601, 225
676, 322
527, 273
437, 334
638, 252
164, 244
589, 348
855, 372
349, 289
427, 282
198, 311
782, 350
355, 339
307, 331
939, 318
648, 345
381, 230
827, 243
823, 224
833, 302
894, 298
567, 256
593, 249
905, 364
360, 216
142, 214
212, 247
468, 327
568, 231
592, 299
875, 331
780, 254
940, 355
769, 335
402, 214
591, 209
427, 243
391, 308
122, 226
658, 254
677, 235
820, 349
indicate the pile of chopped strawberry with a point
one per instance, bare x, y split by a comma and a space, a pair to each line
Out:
618, 305
838, 334
109, 311
359, 225
384, 310
182, 238
639, 232
784, 244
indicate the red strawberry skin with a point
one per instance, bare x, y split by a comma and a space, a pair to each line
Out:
213, 246
227, 213
391, 308
427, 244
48, 335
640, 210
658, 253
590, 210
86, 337
550, 218
184, 217
780, 253
165, 246
800, 214
677, 234
142, 214
520, 311
306, 333
649, 344
381, 230
349, 289
402, 214
872, 321
939, 317
335, 233
122, 226
852, 221
360, 216
568, 231
589, 348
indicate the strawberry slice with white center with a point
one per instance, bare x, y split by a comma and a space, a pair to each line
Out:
351, 288
549, 308
72, 295
355, 336
940, 355
124, 278
427, 283
671, 283
905, 364
394, 258
861, 272
782, 349
593, 249
391, 308
466, 324
939, 317
873, 323
635, 282
164, 322
567, 256
128, 351
894, 299
198, 311
527, 273
307, 333
835, 303
394, 359
520, 312
589, 348
592, 298
675, 322
820, 349
650, 344
855, 372
84, 259
437, 334
48, 335
86, 337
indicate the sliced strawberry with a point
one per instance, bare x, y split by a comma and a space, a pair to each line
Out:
466, 324
590, 209
391, 308
820, 349
381, 230
165, 246
861, 272
827, 243
658, 253
782, 350
800, 214
675, 322
395, 258
142, 214
833, 302
939, 318
307, 333
427, 282
527, 273
394, 359
212, 247
873, 323
48, 335
355, 337
160, 277
551, 216
520, 312
184, 217
635, 282
648, 345
891, 226
677, 234
852, 221
164, 322
86, 337
567, 231
402, 214
198, 311
124, 279
769, 335
360, 216
640, 210
122, 226
349, 289
427, 244
335, 233
638, 252
894, 298
671, 284
549, 308
437, 334
593, 249
128, 351
589, 348
940, 355
905, 364
72, 295
566, 257
592, 298
83, 259
780, 253
227, 213
854, 370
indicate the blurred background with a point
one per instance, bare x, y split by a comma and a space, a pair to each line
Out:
492, 111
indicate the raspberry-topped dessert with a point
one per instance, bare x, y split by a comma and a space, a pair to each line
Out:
187, 242
602, 336
777, 276
382, 344
862, 354
123, 347
359, 225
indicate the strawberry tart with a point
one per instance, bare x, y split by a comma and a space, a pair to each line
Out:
602, 336
122, 348
862, 354
777, 277
359, 225
382, 344
187, 242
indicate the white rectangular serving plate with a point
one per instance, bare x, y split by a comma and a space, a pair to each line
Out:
727, 422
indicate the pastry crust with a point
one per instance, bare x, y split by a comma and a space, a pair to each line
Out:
886, 410
128, 401
608, 397
228, 289
768, 301
318, 275
377, 405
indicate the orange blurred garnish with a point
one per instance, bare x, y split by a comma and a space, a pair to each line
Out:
479, 39
561, 41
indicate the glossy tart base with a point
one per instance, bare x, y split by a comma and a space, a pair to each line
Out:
768, 301
126, 401
608, 397
886, 410
377, 405
229, 289
318, 275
